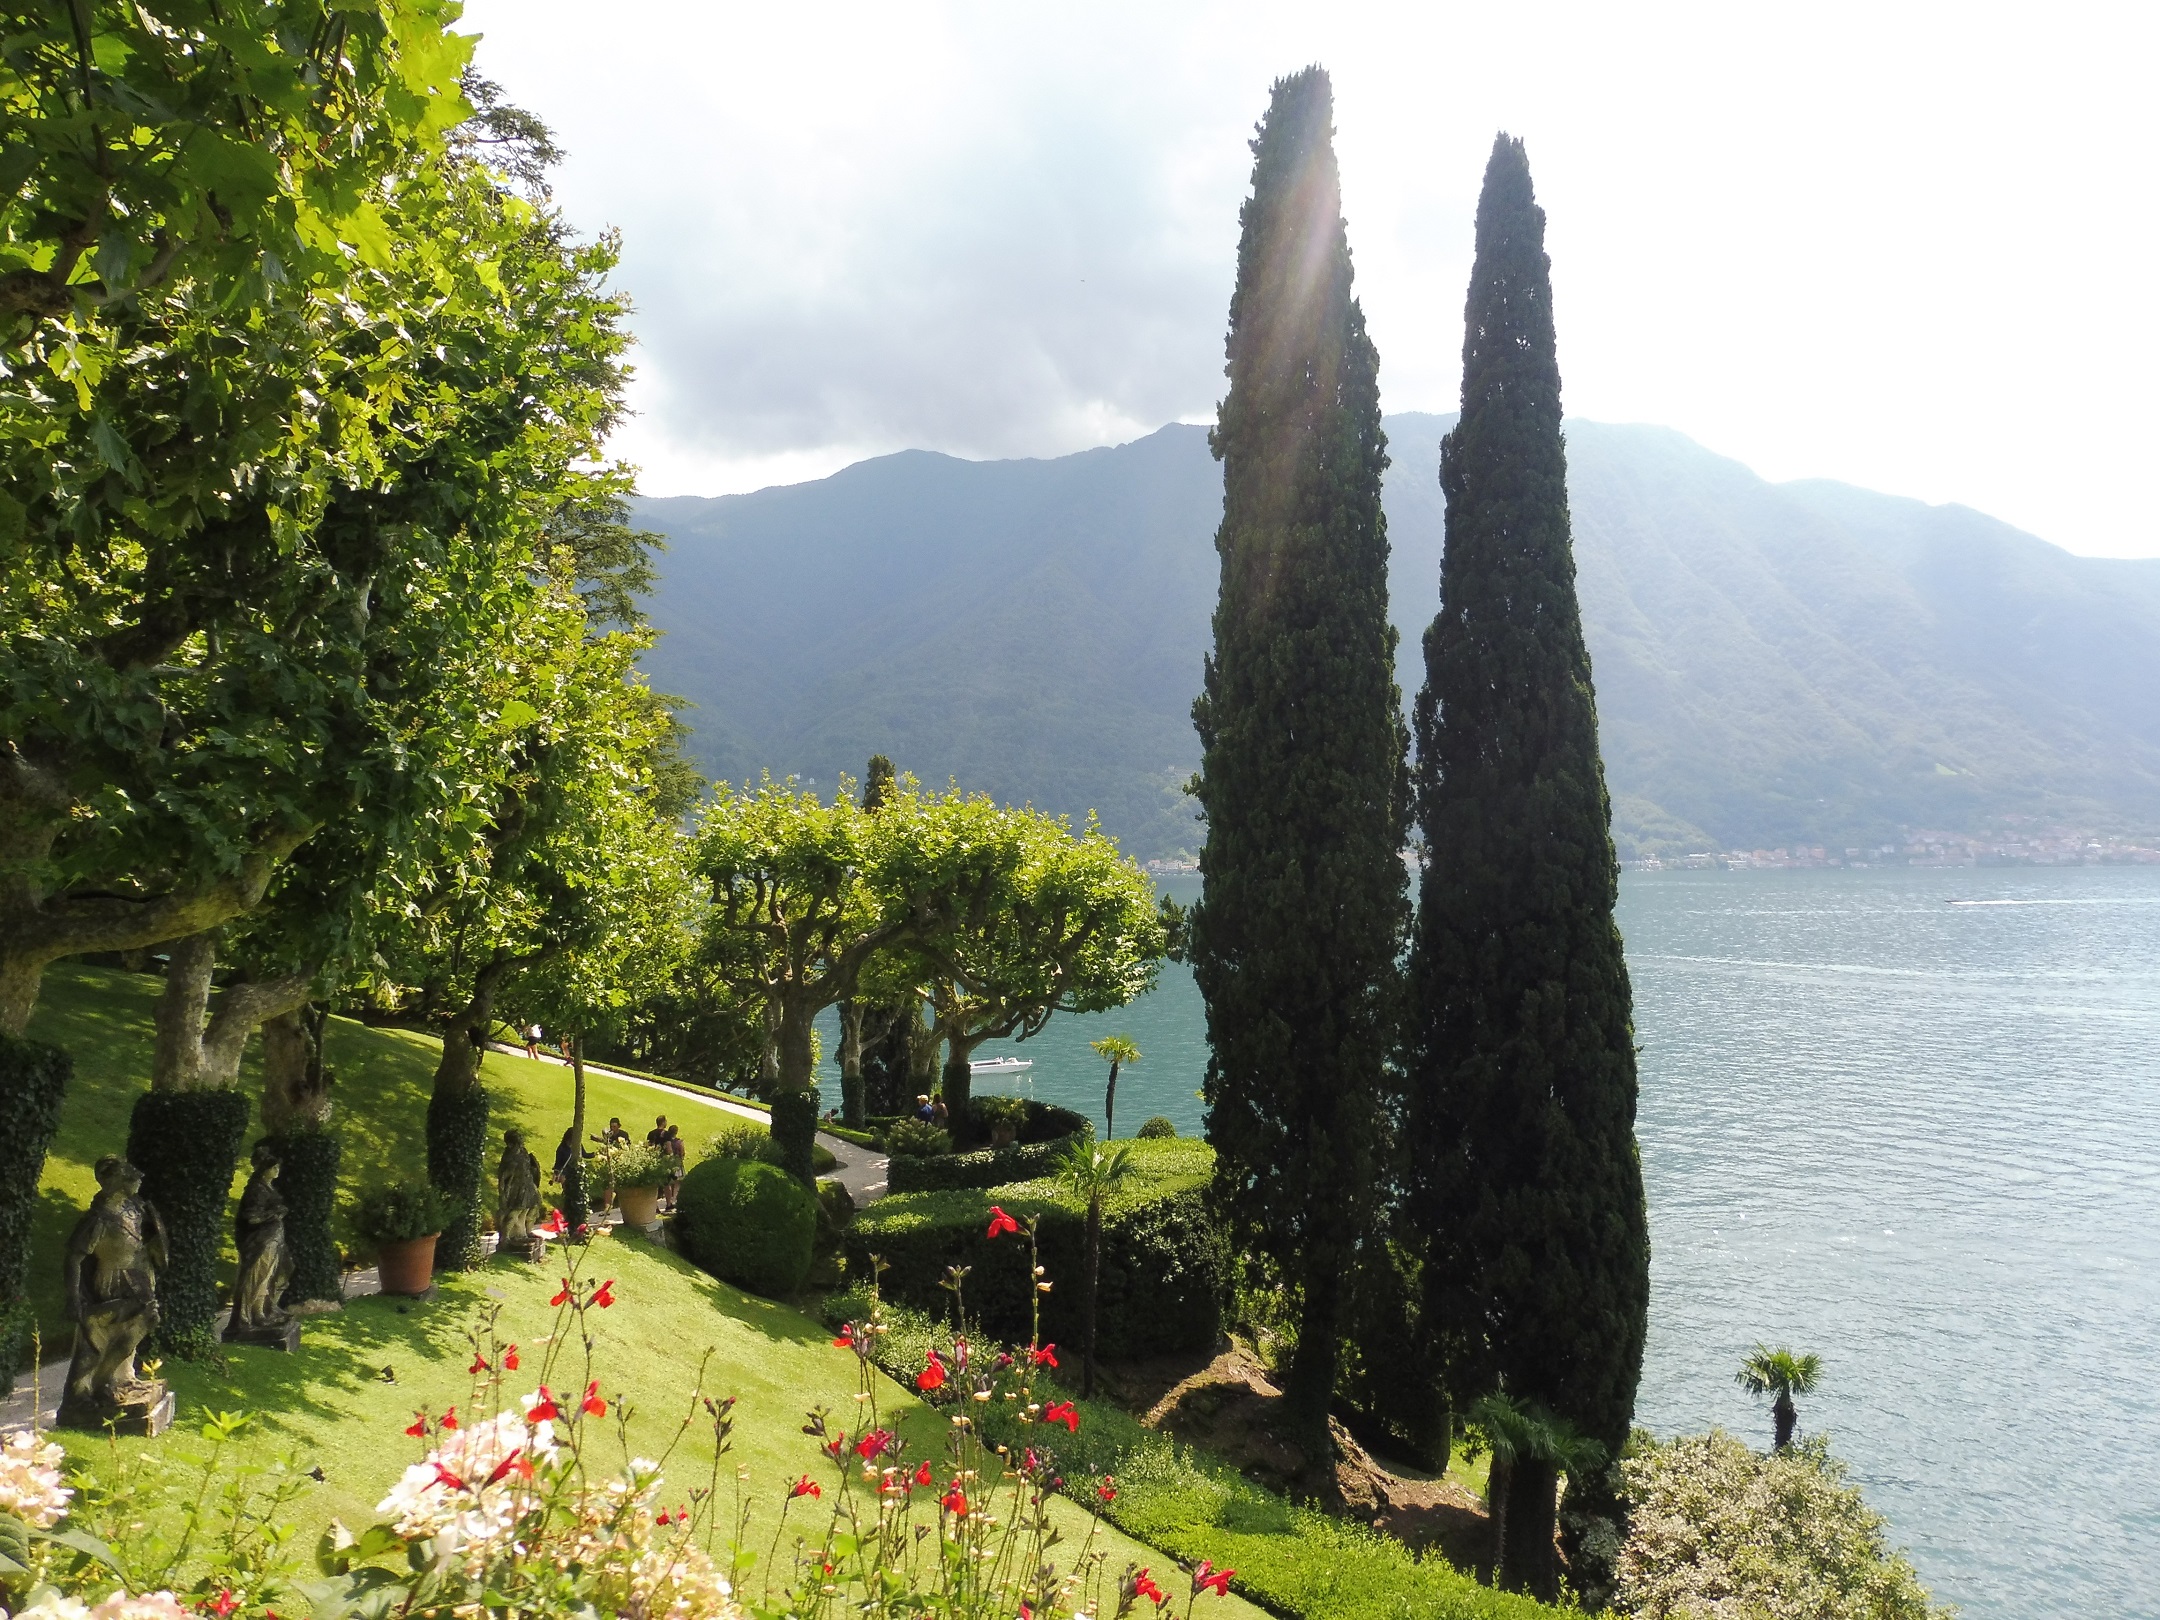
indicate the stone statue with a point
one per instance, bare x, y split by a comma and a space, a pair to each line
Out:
265, 1259
112, 1261
518, 1204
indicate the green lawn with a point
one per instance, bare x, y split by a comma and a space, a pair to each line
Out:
102, 1017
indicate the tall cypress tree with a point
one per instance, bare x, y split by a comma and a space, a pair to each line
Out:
1522, 1088
1302, 781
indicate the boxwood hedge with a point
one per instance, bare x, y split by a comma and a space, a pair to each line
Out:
748, 1223
1042, 1139
1165, 1259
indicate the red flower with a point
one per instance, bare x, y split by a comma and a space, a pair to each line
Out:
872, 1445
443, 1476
922, 1472
1106, 1490
955, 1502
449, 1419
1000, 1223
510, 1362
1045, 1357
1219, 1580
663, 1519
933, 1375
806, 1486
543, 1407
1003, 1361
564, 1295
1026, 1613
593, 1405
419, 1426
479, 1364
516, 1463
1144, 1586
1062, 1412
604, 1295
553, 1226
224, 1604
846, 1341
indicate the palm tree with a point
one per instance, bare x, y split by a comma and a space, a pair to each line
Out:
1093, 1171
1780, 1373
1531, 1450
1117, 1050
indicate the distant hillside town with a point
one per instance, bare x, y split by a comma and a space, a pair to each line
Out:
2053, 846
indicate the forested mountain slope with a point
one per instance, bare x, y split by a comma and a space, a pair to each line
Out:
1775, 662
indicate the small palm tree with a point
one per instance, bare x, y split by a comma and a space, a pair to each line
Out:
1092, 1171
1531, 1449
1782, 1374
1116, 1050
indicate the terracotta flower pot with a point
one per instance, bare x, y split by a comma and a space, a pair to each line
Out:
408, 1267
640, 1205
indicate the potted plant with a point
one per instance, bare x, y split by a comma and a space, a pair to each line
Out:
637, 1172
400, 1223
1002, 1117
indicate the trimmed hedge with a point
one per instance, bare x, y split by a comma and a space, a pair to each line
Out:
1041, 1142
308, 1180
1165, 1259
748, 1223
33, 1079
187, 1146
457, 1139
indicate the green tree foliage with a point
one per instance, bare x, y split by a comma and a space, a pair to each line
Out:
1715, 1528
1781, 1375
1092, 1172
1523, 1165
1119, 1052
252, 329
1295, 939
1530, 1444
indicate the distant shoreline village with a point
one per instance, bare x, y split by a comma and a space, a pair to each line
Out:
1925, 849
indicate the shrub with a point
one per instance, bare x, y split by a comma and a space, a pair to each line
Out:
737, 1139
1001, 1110
457, 1138
1042, 1141
1715, 1526
403, 1211
1157, 1129
1165, 1260
639, 1164
915, 1139
33, 1079
187, 1145
748, 1223
307, 1177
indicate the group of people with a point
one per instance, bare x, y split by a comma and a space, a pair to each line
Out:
667, 1138
931, 1111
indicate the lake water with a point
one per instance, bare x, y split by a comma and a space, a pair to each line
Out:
1909, 1120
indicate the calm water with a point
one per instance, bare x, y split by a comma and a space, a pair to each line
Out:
1917, 1137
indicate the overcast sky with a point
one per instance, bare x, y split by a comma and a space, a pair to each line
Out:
1908, 246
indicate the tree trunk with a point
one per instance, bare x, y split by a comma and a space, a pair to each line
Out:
851, 1075
1310, 1388
1109, 1105
176, 1053
1087, 1305
958, 1085
794, 1094
1496, 1501
296, 1113
1527, 1555
923, 1042
20, 976
1785, 1416
457, 1121
576, 1203
296, 1082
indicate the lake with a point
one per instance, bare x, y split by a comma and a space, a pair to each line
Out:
1910, 1120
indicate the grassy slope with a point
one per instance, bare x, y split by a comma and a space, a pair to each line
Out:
330, 1406
102, 1017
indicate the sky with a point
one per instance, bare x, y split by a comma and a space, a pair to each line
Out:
1909, 246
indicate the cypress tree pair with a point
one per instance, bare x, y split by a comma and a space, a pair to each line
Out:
1302, 783
1521, 1107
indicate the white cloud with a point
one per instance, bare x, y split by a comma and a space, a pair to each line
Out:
1910, 246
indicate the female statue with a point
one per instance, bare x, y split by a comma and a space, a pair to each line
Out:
518, 1205
111, 1282
265, 1258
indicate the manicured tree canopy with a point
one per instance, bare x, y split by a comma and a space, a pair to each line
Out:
1522, 1091
1295, 939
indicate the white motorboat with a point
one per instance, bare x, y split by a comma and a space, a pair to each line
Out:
991, 1068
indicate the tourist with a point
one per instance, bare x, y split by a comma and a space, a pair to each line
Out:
675, 1151
532, 1043
938, 1116
923, 1110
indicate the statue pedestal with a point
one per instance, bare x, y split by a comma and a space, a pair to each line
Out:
152, 1415
284, 1337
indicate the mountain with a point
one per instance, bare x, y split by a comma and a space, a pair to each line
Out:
1776, 663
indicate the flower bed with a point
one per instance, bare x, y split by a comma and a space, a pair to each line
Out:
1165, 1260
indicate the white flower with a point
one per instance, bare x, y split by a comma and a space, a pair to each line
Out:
471, 1490
150, 1606
30, 1485
53, 1606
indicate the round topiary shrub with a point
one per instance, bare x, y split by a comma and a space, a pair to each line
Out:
916, 1139
748, 1223
1156, 1129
